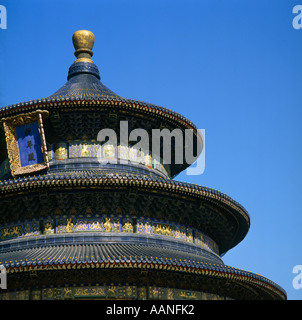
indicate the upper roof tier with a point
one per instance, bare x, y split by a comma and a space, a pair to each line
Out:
83, 76
84, 105
84, 84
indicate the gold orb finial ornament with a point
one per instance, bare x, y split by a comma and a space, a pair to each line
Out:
83, 41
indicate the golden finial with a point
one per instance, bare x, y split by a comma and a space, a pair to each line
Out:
83, 41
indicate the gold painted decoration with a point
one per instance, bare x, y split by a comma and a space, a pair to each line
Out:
107, 225
164, 230
104, 224
61, 151
69, 225
85, 151
26, 144
127, 227
88, 225
49, 227
104, 291
10, 232
108, 151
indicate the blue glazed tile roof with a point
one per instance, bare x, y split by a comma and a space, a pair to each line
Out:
118, 253
84, 89
127, 255
84, 85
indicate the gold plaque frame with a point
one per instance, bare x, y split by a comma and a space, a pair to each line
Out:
9, 125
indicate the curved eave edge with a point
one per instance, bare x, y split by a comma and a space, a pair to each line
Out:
206, 269
36, 182
66, 102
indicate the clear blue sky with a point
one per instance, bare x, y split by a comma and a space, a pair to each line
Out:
233, 67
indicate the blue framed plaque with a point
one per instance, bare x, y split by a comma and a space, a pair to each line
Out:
29, 143
25, 140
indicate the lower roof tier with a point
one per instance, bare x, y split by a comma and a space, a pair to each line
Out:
108, 247
82, 120
94, 192
124, 256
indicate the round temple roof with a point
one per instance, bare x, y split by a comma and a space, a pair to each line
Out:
83, 76
85, 100
84, 84
84, 91
19, 255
